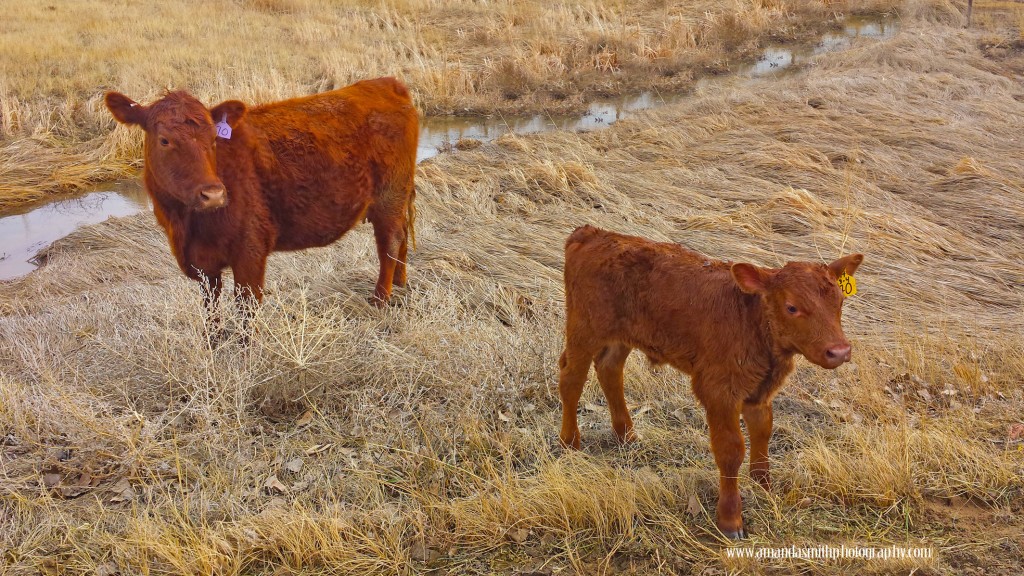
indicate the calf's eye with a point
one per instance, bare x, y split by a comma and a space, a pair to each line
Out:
791, 309
164, 142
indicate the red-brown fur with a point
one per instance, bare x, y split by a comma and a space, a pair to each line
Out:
294, 174
730, 327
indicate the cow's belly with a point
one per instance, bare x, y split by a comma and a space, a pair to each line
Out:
312, 219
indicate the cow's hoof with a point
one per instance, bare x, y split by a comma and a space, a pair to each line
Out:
377, 302
216, 337
740, 534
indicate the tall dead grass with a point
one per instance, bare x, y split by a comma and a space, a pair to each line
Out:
346, 439
464, 57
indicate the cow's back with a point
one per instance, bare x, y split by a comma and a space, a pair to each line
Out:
322, 159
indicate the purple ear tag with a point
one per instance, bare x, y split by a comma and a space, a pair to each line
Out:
223, 128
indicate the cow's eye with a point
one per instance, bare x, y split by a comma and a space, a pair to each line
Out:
791, 309
164, 142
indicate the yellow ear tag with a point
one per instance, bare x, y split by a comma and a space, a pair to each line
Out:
848, 285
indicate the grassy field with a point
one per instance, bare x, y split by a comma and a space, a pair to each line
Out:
423, 438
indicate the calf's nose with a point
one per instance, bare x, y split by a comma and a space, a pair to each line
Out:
839, 354
212, 196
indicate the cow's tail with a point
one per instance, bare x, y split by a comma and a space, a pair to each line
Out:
573, 244
412, 218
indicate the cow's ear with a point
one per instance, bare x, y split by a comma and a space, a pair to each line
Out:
750, 278
126, 110
230, 110
847, 264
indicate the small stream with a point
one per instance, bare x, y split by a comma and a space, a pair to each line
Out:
24, 233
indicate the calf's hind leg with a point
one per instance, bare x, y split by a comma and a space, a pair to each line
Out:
610, 364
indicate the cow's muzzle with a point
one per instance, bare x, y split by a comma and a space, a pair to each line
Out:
212, 197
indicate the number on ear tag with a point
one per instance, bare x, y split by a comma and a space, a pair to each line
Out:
223, 128
848, 285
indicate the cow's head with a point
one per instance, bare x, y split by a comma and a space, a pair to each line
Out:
804, 306
180, 146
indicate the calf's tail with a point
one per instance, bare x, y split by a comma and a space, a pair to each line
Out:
580, 235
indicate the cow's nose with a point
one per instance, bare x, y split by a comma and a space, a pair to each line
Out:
212, 196
839, 354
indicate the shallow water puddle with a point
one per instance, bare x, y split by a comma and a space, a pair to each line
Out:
442, 133
24, 234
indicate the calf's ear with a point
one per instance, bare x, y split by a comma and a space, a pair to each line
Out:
230, 110
125, 110
847, 264
749, 278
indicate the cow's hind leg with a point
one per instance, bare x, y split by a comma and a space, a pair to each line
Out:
409, 226
390, 234
401, 275
610, 363
574, 365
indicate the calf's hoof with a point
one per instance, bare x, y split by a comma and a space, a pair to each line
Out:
629, 437
762, 477
570, 441
378, 302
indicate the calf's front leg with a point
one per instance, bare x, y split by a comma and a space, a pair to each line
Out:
759, 426
727, 446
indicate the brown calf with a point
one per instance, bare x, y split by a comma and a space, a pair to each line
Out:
733, 328
232, 184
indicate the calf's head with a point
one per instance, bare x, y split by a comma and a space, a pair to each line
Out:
803, 305
180, 145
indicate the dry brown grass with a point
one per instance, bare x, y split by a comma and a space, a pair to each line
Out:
430, 440
58, 57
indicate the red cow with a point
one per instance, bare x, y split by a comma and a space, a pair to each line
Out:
232, 184
734, 328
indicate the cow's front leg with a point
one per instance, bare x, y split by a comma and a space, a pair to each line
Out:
249, 273
210, 284
759, 426
727, 445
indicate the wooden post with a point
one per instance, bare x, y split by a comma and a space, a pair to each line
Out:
970, 6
